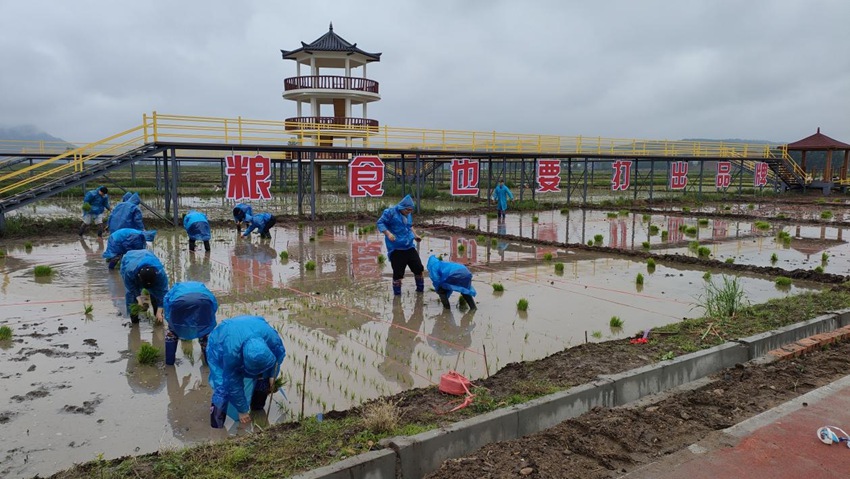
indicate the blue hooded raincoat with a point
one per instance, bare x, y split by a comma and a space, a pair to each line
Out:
98, 203
197, 226
401, 226
246, 211
240, 350
256, 222
127, 195
127, 214
450, 276
501, 194
127, 239
190, 310
131, 263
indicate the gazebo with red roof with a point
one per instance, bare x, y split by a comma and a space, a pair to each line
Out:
821, 142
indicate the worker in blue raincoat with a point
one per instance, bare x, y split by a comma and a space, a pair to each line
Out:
141, 269
502, 194
396, 224
123, 240
449, 277
244, 354
190, 313
95, 202
262, 222
127, 214
198, 228
240, 211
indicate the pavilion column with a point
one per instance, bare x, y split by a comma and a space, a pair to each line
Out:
827, 169
844, 164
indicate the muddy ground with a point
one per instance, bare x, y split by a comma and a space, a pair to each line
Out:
605, 443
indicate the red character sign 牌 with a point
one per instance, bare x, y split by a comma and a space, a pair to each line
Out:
365, 177
248, 177
464, 177
548, 176
622, 175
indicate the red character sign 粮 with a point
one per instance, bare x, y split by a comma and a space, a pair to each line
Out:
548, 176
678, 175
464, 177
365, 177
622, 175
248, 177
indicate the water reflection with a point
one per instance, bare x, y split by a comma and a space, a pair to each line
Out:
145, 379
199, 269
402, 339
251, 266
449, 337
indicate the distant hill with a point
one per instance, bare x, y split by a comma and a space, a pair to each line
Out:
28, 133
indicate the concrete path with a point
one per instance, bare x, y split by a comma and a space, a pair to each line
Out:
779, 443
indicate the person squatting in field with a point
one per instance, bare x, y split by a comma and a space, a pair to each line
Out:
95, 202
396, 224
198, 228
244, 355
189, 309
123, 240
141, 269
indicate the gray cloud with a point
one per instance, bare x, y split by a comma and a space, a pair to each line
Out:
772, 70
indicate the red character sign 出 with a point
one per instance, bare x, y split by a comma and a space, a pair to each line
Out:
365, 177
248, 177
622, 175
678, 175
760, 171
464, 177
548, 176
724, 174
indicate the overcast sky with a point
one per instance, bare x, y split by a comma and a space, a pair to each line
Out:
768, 70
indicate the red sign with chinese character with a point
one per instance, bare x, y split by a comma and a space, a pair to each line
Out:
548, 176
760, 174
469, 253
248, 177
678, 175
365, 177
622, 175
674, 229
724, 174
464, 177
364, 259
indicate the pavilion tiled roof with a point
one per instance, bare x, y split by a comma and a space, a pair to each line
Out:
329, 42
818, 141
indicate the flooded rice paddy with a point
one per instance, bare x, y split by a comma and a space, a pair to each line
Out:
73, 390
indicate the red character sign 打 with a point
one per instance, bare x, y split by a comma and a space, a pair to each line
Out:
678, 175
464, 177
622, 175
548, 176
248, 177
365, 177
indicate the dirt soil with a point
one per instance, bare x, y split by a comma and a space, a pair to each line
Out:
605, 443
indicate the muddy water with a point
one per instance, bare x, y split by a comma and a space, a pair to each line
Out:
73, 390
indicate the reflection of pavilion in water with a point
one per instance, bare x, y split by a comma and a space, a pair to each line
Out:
251, 266
810, 246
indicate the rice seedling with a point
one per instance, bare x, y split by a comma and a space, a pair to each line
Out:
559, 267
312, 238
596, 334
382, 259
702, 222
704, 252
691, 231
471, 227
28, 246
461, 248
547, 257
826, 215
782, 281
639, 278
2, 253
87, 309
42, 271
650, 263
310, 265
480, 239
522, 304
590, 242
723, 301
664, 235
615, 322
5, 333
730, 261
623, 212
147, 354
597, 239
751, 206
774, 258
491, 215
86, 207
683, 228
350, 226
693, 246
535, 219
494, 242
564, 211
498, 287
646, 245
646, 217
284, 255
818, 269
824, 257
320, 232
762, 225
706, 276
611, 214
653, 230
686, 209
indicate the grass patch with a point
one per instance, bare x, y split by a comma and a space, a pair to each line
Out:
615, 322
381, 416
310, 265
42, 271
148, 354
5, 333
725, 300
498, 287
522, 304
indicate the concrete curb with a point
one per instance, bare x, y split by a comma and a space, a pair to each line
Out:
415, 456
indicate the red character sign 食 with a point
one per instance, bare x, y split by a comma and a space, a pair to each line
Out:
678, 175
248, 177
464, 177
365, 177
548, 176
724, 174
760, 171
622, 175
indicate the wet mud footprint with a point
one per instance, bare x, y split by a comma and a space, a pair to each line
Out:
87, 408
